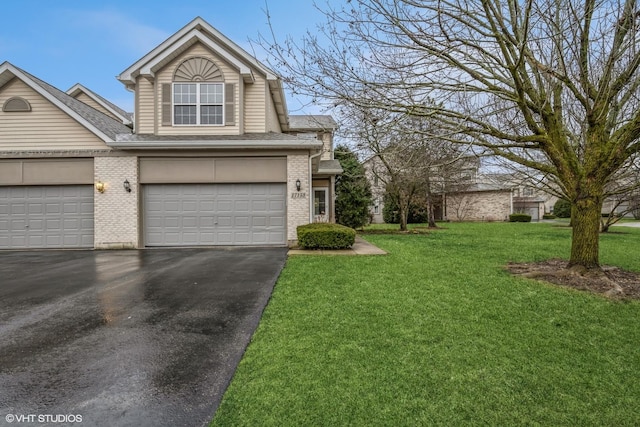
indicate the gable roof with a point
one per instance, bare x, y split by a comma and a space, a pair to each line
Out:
126, 117
98, 123
201, 31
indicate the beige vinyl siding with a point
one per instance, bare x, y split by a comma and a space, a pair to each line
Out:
255, 107
273, 125
145, 106
83, 97
45, 127
166, 76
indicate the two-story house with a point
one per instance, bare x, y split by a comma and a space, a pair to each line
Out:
209, 157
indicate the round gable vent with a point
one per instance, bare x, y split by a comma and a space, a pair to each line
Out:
16, 104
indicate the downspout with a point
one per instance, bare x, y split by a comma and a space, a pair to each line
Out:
311, 184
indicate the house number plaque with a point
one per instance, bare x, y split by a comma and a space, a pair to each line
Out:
298, 195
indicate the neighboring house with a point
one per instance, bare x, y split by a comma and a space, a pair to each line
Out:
527, 196
464, 193
458, 193
210, 157
479, 202
373, 170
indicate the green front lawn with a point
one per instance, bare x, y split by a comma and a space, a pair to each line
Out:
436, 333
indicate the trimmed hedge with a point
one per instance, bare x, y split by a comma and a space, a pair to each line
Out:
519, 217
548, 216
562, 209
325, 236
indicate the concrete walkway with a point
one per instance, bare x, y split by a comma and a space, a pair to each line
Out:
360, 247
628, 224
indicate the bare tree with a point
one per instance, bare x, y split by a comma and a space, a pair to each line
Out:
548, 84
391, 159
623, 194
406, 155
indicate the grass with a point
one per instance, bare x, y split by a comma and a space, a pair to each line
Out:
436, 333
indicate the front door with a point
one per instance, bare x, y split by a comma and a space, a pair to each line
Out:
320, 205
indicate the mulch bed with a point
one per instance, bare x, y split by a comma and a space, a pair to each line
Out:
555, 271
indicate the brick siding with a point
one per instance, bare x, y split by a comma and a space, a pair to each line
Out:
115, 210
298, 208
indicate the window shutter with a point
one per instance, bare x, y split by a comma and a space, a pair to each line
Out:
229, 104
166, 104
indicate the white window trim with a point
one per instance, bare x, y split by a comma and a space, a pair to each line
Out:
198, 105
325, 217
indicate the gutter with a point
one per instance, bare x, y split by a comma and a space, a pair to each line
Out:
311, 184
222, 144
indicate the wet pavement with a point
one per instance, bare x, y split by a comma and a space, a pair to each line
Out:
126, 338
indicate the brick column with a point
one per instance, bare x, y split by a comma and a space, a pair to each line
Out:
298, 207
116, 210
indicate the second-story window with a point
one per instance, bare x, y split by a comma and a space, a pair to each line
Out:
198, 103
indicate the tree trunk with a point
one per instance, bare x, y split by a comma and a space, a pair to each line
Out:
431, 217
585, 218
403, 215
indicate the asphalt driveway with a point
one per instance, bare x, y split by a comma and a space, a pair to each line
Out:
127, 338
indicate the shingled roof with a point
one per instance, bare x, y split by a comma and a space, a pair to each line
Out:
99, 123
312, 122
127, 118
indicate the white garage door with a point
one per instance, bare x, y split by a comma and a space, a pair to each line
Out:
214, 214
46, 217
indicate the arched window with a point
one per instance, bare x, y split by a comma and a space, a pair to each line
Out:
16, 104
198, 93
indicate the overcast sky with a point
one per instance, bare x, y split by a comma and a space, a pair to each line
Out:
65, 42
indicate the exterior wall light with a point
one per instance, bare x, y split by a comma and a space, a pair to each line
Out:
100, 187
127, 186
298, 184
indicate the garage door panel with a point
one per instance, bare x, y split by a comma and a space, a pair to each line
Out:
35, 208
207, 221
224, 206
18, 209
53, 224
213, 214
171, 206
52, 208
46, 217
224, 221
242, 206
206, 205
241, 221
17, 224
86, 208
36, 224
190, 206
259, 221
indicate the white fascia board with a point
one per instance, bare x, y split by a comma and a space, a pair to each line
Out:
270, 75
39, 89
280, 101
128, 76
150, 68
